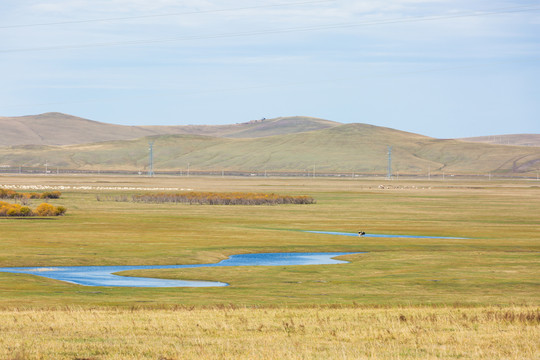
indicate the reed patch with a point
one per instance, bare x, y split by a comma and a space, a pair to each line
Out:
212, 198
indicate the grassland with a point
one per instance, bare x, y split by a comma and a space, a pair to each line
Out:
245, 333
460, 298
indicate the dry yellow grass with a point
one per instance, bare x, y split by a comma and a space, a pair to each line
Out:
272, 333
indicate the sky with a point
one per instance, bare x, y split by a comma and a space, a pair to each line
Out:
442, 68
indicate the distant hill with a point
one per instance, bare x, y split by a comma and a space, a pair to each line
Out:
345, 148
63, 129
511, 139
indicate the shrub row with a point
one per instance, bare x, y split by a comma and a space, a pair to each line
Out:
7, 209
12, 194
212, 198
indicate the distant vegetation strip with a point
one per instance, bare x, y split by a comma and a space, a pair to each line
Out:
7, 209
213, 198
12, 194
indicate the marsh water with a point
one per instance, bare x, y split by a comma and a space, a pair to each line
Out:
383, 235
105, 275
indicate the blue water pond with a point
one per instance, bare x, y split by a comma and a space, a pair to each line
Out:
105, 275
383, 235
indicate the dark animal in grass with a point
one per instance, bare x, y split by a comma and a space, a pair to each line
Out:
361, 233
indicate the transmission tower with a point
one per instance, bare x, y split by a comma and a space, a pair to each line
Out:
151, 164
389, 174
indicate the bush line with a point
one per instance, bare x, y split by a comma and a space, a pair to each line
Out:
212, 198
12, 194
7, 209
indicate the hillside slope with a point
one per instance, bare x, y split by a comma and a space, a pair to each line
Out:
349, 148
63, 129
510, 139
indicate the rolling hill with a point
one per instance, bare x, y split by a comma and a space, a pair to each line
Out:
63, 129
358, 148
510, 139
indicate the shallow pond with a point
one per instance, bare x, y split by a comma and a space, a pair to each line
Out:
383, 235
105, 275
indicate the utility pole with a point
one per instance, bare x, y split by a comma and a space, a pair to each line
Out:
151, 164
389, 173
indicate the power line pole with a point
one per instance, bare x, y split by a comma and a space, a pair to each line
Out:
389, 173
151, 164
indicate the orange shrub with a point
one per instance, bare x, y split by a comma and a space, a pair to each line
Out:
11, 194
51, 195
4, 207
46, 210
26, 211
7, 194
60, 210
14, 210
7, 209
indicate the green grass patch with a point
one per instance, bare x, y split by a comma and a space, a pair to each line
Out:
498, 263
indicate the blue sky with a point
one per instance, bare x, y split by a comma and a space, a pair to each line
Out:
443, 68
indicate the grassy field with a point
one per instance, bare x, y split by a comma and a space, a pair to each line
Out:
245, 333
459, 281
